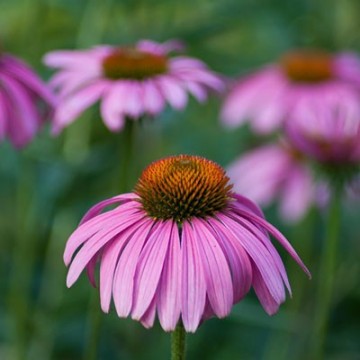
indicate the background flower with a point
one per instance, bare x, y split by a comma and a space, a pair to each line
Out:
275, 172
269, 96
25, 101
131, 82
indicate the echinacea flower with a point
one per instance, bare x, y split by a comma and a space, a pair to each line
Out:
275, 172
182, 246
269, 96
326, 134
25, 101
131, 82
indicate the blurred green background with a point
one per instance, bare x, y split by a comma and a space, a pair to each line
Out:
47, 187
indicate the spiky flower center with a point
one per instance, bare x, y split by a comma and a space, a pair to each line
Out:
182, 187
307, 66
129, 63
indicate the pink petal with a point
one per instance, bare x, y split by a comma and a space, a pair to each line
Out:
169, 300
270, 305
172, 91
193, 280
152, 98
91, 227
238, 261
25, 119
73, 106
278, 236
147, 320
123, 284
109, 260
95, 243
25, 75
259, 254
3, 117
113, 106
219, 286
96, 209
149, 268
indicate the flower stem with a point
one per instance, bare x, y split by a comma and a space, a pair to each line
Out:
178, 340
326, 277
126, 156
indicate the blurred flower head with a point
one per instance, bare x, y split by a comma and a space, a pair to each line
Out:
131, 82
275, 172
182, 246
25, 101
269, 96
328, 134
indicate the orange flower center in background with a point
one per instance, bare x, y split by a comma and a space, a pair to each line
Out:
307, 66
181, 187
128, 63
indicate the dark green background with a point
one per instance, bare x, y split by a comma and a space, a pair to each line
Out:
46, 188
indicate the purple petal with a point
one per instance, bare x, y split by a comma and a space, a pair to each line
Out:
219, 286
147, 320
258, 253
97, 242
88, 229
153, 99
193, 280
149, 268
96, 209
172, 91
238, 261
270, 305
169, 301
73, 106
278, 236
123, 284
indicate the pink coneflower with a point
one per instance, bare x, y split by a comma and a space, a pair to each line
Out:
327, 134
275, 172
269, 96
130, 81
25, 101
182, 246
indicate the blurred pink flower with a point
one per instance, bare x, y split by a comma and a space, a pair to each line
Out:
25, 101
130, 81
269, 96
328, 134
182, 245
275, 172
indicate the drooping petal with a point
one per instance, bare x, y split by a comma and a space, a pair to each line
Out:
168, 299
238, 261
258, 253
76, 104
91, 227
123, 284
270, 305
97, 242
149, 269
193, 286
217, 275
278, 236
172, 91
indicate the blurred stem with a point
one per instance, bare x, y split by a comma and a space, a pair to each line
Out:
178, 342
326, 277
23, 259
94, 327
126, 155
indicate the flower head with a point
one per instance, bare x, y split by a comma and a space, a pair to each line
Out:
327, 134
130, 81
25, 101
182, 246
275, 172
268, 97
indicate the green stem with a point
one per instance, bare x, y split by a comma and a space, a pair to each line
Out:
178, 340
326, 277
126, 156
94, 328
